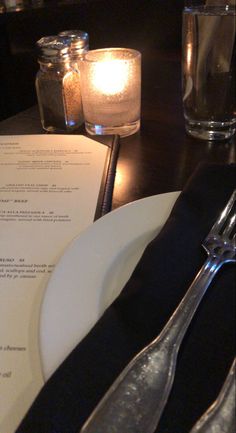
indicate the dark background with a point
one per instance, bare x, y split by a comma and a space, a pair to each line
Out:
140, 24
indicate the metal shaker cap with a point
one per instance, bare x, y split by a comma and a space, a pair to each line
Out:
53, 48
78, 39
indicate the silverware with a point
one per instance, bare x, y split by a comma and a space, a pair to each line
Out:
135, 402
220, 417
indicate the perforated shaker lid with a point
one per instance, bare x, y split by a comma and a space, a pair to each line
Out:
78, 39
53, 48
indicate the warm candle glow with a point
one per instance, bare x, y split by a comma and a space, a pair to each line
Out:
110, 77
111, 91
189, 55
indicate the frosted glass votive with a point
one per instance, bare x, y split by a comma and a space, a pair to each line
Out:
111, 91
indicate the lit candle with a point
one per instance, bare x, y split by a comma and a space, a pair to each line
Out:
111, 91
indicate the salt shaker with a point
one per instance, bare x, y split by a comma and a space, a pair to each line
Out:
58, 86
79, 45
78, 41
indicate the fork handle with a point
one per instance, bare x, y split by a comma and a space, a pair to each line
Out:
135, 401
179, 322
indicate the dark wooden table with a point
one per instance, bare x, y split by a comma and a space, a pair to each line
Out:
160, 157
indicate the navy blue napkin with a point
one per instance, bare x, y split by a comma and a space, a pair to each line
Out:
154, 290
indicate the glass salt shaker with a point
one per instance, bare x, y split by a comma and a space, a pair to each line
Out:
58, 86
79, 45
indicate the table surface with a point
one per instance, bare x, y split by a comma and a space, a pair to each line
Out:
161, 156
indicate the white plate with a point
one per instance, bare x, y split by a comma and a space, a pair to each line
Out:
92, 272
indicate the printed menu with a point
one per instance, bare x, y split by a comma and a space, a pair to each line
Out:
49, 191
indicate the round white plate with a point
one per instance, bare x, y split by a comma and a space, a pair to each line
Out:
92, 272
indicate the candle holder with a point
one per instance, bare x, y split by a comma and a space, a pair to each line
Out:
111, 91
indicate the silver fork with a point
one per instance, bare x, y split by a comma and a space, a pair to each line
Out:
135, 402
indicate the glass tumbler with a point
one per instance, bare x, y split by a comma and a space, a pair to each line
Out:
208, 68
111, 91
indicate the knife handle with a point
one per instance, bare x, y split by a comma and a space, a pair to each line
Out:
220, 417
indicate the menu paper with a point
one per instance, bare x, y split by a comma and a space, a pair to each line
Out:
49, 188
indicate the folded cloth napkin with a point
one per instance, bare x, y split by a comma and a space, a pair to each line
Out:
162, 276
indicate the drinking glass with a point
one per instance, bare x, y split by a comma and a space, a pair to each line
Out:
111, 90
208, 68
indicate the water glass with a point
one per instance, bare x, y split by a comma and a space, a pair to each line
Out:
208, 68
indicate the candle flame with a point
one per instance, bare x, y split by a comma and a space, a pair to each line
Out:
110, 77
